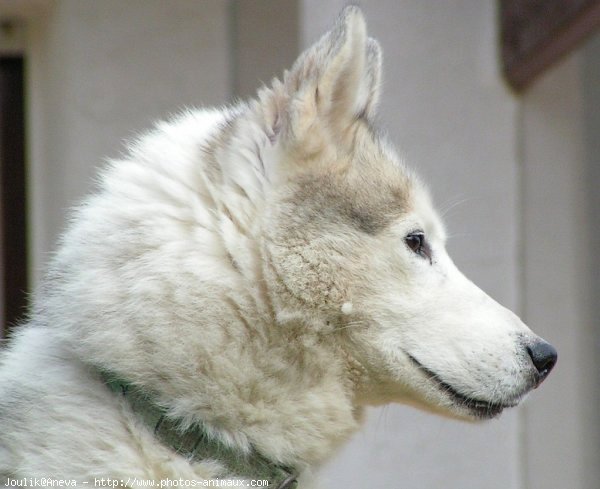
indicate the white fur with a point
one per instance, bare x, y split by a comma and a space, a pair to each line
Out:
249, 266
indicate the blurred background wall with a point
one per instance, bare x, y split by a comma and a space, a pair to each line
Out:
517, 177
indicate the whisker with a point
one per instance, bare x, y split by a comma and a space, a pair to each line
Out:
348, 325
452, 205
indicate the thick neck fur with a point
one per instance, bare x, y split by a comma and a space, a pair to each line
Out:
187, 311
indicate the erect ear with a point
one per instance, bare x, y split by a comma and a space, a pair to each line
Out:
332, 84
368, 98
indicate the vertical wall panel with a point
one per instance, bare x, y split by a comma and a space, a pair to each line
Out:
101, 72
561, 419
266, 41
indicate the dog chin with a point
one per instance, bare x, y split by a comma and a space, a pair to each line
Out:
448, 408
455, 404
477, 410
465, 407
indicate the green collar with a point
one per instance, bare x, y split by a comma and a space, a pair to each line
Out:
196, 443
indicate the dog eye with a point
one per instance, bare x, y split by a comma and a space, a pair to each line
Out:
417, 243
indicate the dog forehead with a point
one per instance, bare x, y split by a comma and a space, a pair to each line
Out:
366, 190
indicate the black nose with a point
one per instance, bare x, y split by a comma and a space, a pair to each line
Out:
543, 355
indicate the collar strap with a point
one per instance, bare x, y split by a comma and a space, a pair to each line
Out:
196, 443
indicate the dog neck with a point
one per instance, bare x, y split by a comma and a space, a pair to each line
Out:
196, 443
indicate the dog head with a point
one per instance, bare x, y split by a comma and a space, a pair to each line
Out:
354, 248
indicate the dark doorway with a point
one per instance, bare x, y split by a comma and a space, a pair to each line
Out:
13, 229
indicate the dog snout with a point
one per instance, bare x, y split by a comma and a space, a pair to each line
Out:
543, 356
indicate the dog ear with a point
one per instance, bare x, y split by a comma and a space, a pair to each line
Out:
330, 86
368, 98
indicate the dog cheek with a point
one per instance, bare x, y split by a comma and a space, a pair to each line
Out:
299, 278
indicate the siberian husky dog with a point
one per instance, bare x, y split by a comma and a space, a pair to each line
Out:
241, 285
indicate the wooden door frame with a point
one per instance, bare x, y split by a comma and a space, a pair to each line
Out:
13, 208
535, 34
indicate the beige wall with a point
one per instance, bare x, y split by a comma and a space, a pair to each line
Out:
560, 440
265, 42
515, 174
100, 72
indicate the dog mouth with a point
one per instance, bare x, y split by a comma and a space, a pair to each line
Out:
476, 408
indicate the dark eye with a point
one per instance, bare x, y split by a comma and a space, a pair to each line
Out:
416, 242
